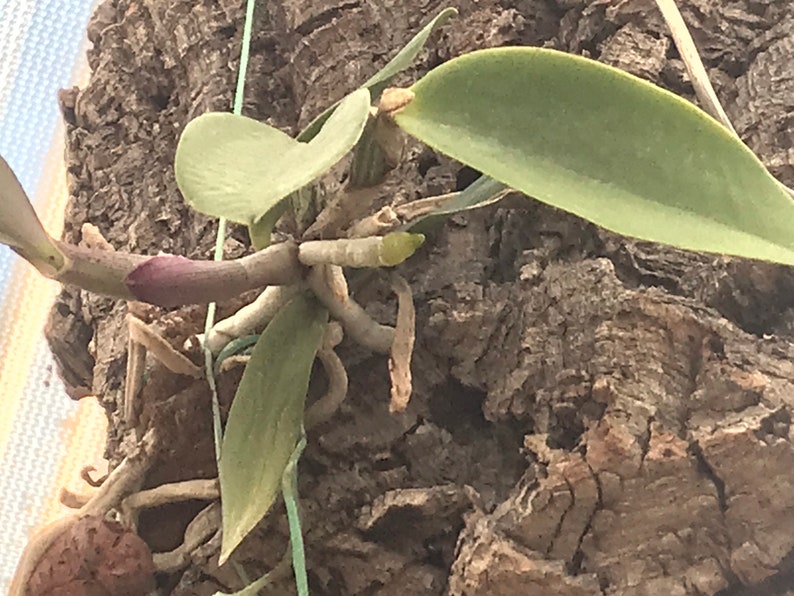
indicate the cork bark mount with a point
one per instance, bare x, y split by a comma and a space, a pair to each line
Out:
591, 414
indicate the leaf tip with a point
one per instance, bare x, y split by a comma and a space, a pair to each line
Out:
227, 548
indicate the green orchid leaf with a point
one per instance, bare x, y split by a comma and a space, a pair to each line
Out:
266, 417
406, 56
404, 59
235, 167
260, 231
380, 80
604, 145
20, 227
482, 192
289, 488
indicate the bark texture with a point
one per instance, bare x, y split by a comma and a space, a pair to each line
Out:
592, 415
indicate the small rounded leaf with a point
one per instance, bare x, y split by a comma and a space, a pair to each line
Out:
238, 168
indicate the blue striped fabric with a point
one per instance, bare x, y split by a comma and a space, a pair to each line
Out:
41, 49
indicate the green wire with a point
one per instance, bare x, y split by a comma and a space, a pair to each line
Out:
237, 109
289, 488
289, 481
245, 51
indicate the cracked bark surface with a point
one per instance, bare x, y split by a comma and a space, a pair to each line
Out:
591, 414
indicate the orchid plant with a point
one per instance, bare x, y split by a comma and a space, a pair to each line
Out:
565, 130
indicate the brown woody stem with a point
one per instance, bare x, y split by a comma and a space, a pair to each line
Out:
168, 280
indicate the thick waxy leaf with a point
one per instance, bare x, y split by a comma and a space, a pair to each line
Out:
265, 419
378, 82
20, 227
235, 167
289, 488
605, 145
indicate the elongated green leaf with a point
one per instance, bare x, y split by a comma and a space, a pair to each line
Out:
235, 167
605, 145
406, 56
265, 419
380, 80
480, 193
20, 227
289, 488
482, 190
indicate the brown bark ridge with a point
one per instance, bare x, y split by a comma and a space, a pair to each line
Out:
592, 415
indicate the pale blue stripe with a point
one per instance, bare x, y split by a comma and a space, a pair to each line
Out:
46, 61
32, 459
30, 114
15, 20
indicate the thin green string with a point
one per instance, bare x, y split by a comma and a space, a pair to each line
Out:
237, 109
245, 52
289, 488
289, 479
